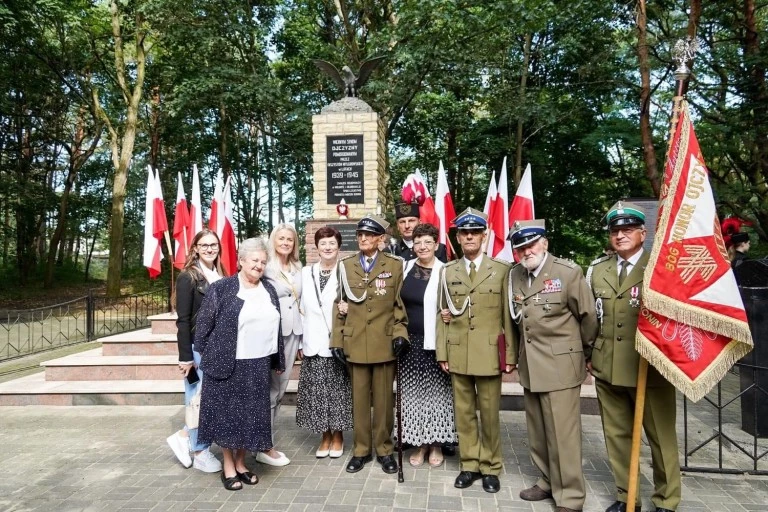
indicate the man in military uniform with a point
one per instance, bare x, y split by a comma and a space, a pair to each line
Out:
407, 215
369, 337
474, 320
555, 314
617, 283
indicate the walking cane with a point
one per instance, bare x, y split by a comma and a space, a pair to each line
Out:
398, 399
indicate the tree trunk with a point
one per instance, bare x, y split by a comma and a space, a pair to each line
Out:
519, 135
122, 147
77, 158
646, 133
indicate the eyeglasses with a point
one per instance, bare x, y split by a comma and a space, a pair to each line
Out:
208, 247
627, 230
424, 243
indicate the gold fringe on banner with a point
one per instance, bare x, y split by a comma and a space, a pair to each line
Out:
698, 388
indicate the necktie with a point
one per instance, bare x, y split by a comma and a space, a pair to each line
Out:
623, 274
472, 271
369, 260
531, 277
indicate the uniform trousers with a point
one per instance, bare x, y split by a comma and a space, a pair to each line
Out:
617, 410
554, 434
479, 447
372, 385
279, 383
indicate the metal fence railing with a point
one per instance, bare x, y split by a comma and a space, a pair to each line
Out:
726, 431
24, 332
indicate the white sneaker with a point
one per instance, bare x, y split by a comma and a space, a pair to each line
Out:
206, 462
270, 461
180, 447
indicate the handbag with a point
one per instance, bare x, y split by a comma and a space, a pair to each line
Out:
192, 412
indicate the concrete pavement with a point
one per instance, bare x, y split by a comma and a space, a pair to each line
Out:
115, 458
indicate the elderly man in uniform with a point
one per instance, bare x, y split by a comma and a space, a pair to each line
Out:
407, 215
617, 283
369, 336
555, 314
475, 319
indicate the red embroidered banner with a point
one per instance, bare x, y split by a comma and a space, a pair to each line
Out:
692, 326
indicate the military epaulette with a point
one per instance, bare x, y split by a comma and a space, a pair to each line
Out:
503, 262
566, 263
588, 275
600, 260
452, 262
355, 255
393, 256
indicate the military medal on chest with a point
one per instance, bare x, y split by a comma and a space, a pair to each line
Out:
634, 300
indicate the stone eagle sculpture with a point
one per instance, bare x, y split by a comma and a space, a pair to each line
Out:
347, 80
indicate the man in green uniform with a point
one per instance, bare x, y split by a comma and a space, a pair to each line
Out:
617, 283
555, 314
370, 337
474, 320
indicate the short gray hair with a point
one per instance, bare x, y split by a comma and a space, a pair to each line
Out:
251, 245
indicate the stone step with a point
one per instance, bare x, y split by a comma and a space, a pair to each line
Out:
164, 323
139, 343
36, 390
92, 365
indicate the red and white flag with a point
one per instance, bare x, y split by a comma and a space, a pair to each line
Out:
216, 220
444, 209
227, 235
415, 191
181, 227
692, 326
498, 220
522, 204
154, 220
195, 208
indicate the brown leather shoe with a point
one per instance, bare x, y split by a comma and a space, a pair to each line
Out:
535, 493
566, 509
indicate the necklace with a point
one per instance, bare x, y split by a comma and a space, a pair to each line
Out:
326, 273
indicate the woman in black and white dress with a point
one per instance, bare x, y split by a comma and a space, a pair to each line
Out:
427, 399
324, 403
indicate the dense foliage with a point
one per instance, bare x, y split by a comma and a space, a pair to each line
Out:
93, 91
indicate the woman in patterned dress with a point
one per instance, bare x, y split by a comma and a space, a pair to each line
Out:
427, 400
240, 342
324, 403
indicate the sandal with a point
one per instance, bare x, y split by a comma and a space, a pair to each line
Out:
247, 477
417, 457
231, 484
436, 457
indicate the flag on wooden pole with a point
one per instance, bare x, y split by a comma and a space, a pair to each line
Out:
227, 235
522, 204
153, 226
444, 209
195, 207
181, 227
692, 325
498, 220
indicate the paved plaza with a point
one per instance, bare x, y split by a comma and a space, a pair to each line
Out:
116, 458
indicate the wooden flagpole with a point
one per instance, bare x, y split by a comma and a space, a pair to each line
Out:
683, 53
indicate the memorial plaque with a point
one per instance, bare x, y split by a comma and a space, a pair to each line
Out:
344, 161
348, 231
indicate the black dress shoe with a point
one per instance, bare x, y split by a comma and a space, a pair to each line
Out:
491, 483
659, 509
449, 450
357, 463
620, 506
466, 478
388, 463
